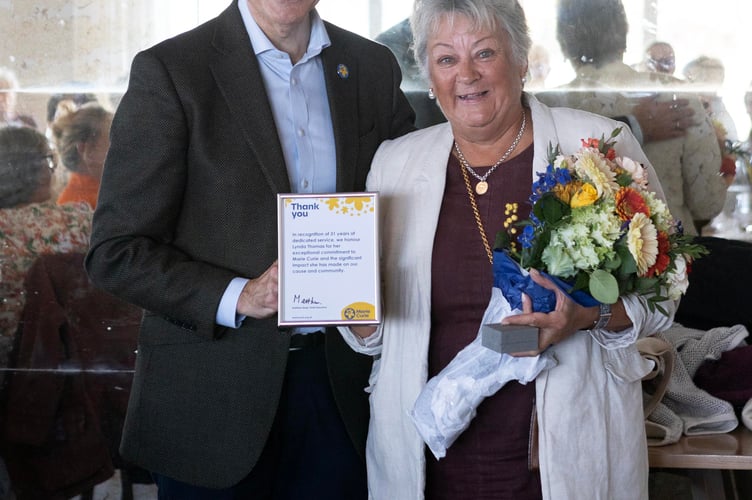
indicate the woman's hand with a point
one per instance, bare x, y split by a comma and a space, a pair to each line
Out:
363, 331
259, 296
557, 325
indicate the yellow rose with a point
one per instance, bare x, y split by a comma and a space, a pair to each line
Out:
585, 196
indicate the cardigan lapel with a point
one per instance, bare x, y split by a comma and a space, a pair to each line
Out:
545, 134
238, 77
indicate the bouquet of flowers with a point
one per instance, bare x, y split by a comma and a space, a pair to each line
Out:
598, 232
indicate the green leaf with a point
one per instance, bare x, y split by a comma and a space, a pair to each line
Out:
503, 241
624, 179
628, 264
603, 287
549, 209
644, 285
613, 263
582, 281
531, 257
553, 152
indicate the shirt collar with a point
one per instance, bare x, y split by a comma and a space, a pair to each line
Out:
319, 37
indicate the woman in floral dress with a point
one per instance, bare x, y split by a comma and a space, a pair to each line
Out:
31, 223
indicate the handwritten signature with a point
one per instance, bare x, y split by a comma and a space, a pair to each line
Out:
297, 299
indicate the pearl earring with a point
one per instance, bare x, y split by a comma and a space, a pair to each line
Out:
524, 80
431, 95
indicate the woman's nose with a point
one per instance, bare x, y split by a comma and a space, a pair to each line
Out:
467, 72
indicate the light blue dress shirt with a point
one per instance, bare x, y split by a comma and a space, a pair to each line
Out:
300, 105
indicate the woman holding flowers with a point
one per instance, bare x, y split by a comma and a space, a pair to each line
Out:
445, 192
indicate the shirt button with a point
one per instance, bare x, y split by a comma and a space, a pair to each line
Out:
301, 132
304, 183
294, 81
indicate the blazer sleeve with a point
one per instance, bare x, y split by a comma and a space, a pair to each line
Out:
133, 253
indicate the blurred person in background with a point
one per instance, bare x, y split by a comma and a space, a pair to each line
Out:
31, 223
8, 101
593, 36
81, 136
539, 66
705, 76
660, 58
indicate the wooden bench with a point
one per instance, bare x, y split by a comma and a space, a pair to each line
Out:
705, 458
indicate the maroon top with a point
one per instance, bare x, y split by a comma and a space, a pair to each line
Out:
490, 459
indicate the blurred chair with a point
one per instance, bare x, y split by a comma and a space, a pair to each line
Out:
71, 373
718, 293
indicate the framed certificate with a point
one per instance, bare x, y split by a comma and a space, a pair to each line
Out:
328, 259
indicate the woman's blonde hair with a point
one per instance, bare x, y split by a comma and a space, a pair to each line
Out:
74, 125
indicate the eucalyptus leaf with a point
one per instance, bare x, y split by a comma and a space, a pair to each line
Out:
604, 287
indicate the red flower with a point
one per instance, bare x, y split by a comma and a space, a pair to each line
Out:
630, 202
611, 154
728, 166
663, 259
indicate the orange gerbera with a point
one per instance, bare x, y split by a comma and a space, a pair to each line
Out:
662, 260
630, 202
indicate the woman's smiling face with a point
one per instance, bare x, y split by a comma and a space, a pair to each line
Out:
474, 76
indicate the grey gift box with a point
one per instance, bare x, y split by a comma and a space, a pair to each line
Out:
509, 338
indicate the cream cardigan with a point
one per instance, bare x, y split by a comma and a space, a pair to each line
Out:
592, 434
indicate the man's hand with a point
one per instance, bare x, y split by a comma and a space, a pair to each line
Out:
259, 296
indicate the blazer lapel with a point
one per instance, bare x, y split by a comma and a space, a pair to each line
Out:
342, 91
238, 77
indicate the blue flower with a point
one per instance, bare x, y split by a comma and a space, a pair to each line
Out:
526, 237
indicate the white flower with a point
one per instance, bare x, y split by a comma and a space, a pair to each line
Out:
659, 213
677, 280
642, 241
591, 166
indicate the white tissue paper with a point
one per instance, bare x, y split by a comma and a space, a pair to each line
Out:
447, 404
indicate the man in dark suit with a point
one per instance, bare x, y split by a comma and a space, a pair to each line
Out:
264, 99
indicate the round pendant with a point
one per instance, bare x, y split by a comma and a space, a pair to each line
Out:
481, 187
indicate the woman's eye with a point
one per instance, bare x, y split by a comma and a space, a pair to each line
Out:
484, 54
446, 60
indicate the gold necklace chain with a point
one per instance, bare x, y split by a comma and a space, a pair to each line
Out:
482, 187
477, 215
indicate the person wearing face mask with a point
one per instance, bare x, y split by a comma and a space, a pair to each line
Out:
266, 98
446, 191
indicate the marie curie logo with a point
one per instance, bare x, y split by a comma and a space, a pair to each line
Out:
359, 311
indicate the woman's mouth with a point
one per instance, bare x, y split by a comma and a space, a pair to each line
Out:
474, 95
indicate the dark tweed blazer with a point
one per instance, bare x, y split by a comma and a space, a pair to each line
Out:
188, 201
